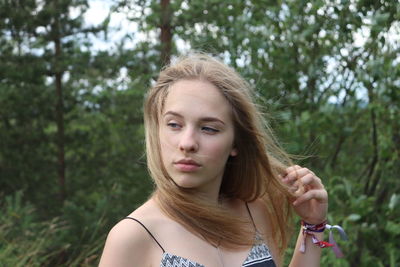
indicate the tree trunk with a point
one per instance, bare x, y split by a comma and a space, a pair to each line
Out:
166, 32
58, 74
374, 141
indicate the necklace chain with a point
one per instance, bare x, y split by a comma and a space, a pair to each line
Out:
220, 256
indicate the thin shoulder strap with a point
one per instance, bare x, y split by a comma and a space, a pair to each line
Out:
251, 217
152, 236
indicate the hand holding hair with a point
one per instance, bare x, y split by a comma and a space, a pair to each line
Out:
310, 197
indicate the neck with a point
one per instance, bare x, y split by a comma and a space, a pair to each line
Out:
212, 195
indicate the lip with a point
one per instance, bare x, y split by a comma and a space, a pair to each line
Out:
187, 165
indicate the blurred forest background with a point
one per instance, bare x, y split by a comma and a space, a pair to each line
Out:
71, 131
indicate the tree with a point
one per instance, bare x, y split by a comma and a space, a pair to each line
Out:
326, 72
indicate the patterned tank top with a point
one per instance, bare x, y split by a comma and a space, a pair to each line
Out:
259, 255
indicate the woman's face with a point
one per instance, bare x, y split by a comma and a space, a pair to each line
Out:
196, 135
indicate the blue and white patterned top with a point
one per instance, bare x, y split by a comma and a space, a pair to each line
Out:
259, 256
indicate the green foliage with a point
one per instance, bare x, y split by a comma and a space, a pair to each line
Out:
327, 73
26, 240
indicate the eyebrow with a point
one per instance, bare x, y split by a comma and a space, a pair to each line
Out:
205, 119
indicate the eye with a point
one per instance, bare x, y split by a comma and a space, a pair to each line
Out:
173, 125
209, 130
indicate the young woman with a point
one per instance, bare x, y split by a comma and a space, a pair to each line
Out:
224, 189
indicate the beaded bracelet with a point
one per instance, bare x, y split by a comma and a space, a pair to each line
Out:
310, 229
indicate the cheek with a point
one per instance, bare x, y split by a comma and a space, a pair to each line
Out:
168, 144
165, 152
167, 141
219, 152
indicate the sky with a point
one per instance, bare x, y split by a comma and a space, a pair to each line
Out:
99, 10
119, 25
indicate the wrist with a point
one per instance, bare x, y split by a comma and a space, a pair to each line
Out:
315, 228
316, 232
314, 221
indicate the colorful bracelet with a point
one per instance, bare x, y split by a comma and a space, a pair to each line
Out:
310, 229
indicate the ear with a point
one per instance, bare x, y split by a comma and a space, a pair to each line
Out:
234, 152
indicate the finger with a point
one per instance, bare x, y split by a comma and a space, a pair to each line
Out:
311, 180
292, 168
307, 183
300, 190
291, 171
319, 195
296, 173
295, 184
293, 189
286, 179
292, 185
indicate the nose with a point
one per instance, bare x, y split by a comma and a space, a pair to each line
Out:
188, 141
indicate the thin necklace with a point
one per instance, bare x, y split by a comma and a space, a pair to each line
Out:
220, 257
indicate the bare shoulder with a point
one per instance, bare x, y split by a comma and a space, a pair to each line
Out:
128, 243
259, 211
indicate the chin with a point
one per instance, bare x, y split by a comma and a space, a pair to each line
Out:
186, 182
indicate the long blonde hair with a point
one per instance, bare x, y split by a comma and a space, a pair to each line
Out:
252, 174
